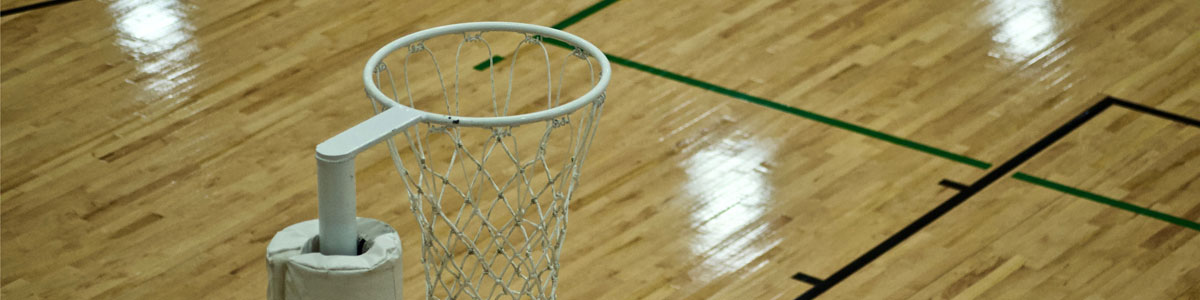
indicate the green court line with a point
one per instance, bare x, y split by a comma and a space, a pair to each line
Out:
579, 16
488, 63
1108, 201
748, 98
586, 12
560, 44
800, 112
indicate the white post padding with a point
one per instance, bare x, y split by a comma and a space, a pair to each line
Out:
298, 271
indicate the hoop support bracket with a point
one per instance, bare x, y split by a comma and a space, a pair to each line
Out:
349, 143
338, 233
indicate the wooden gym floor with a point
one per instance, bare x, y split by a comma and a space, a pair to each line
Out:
862, 149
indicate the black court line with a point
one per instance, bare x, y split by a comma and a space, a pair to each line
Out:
959, 198
807, 278
17, 10
1126, 206
1156, 112
953, 184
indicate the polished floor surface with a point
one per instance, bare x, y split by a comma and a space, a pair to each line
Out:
862, 149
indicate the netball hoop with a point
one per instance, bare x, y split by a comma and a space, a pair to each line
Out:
489, 153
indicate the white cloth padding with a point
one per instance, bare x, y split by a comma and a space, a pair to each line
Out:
300, 273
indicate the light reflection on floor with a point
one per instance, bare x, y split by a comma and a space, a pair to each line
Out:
732, 191
1024, 27
158, 35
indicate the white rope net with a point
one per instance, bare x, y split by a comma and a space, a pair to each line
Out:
491, 201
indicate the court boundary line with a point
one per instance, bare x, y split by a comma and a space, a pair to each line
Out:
1156, 112
965, 191
488, 63
39, 5
979, 164
958, 198
801, 113
809, 279
953, 184
1010, 166
1118, 204
575, 18
879, 135
579, 16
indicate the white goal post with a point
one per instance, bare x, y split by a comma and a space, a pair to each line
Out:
492, 211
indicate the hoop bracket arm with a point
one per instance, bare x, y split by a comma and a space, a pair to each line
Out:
349, 143
338, 233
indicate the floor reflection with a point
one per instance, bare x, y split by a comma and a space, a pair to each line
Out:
729, 182
1024, 27
158, 35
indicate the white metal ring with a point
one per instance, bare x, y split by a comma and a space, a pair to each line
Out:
595, 94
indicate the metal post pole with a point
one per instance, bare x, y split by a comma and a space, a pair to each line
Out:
336, 207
